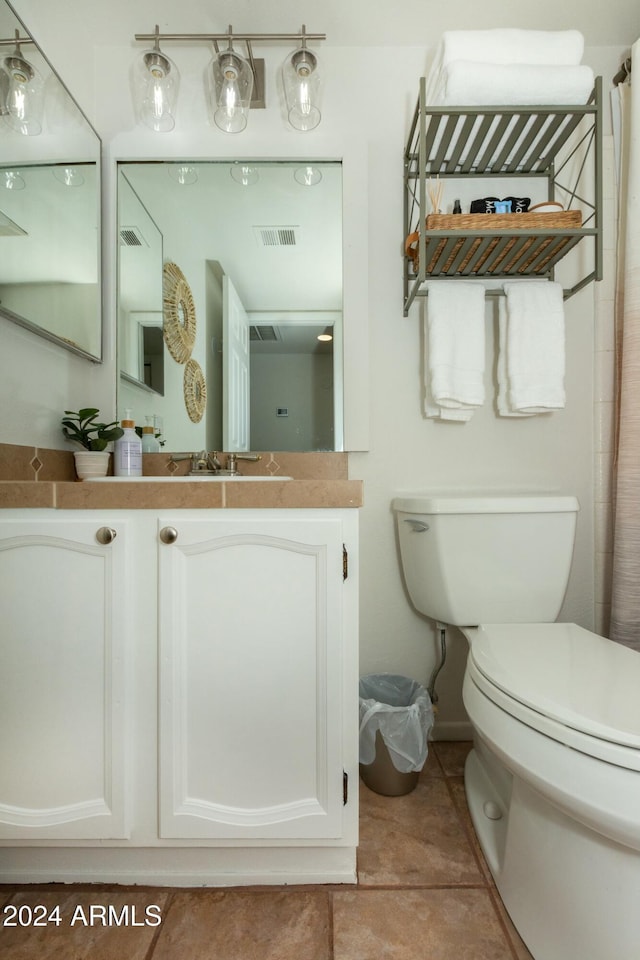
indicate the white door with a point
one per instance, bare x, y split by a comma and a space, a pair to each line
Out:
235, 370
251, 711
62, 677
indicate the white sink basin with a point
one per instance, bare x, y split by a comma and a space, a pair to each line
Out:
208, 478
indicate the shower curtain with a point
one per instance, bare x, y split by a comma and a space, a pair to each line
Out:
625, 598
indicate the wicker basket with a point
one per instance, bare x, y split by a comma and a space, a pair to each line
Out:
511, 250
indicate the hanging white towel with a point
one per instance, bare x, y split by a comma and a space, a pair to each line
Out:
455, 349
535, 346
503, 399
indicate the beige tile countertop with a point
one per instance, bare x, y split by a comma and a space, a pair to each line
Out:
133, 495
34, 477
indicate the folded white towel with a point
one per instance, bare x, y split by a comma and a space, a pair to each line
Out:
465, 83
535, 346
552, 47
455, 347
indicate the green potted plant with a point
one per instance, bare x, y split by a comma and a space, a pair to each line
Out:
82, 427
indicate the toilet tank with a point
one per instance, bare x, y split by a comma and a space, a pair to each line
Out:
469, 560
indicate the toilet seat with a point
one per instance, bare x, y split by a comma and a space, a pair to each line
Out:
569, 684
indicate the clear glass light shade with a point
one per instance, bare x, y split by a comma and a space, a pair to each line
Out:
24, 100
301, 82
155, 83
232, 79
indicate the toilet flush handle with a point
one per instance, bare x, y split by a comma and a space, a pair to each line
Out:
417, 526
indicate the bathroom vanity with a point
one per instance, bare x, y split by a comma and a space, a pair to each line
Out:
179, 684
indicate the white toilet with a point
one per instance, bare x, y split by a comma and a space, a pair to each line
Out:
553, 781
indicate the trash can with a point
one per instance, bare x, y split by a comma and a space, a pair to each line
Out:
396, 717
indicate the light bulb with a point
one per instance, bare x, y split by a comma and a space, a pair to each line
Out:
233, 85
157, 84
302, 87
24, 101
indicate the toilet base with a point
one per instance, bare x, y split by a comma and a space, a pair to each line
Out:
571, 893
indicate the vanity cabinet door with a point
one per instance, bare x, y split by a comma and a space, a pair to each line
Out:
63, 632
251, 693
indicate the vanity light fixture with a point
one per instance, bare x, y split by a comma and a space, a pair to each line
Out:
235, 82
22, 90
301, 82
232, 78
155, 81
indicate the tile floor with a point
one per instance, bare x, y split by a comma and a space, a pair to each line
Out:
424, 893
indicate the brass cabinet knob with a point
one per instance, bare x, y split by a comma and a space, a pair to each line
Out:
106, 535
168, 534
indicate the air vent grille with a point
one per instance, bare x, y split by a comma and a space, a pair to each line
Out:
131, 237
264, 333
277, 236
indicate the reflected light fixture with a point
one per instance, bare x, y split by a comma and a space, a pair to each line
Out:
155, 81
12, 180
326, 335
244, 174
234, 83
22, 91
301, 82
307, 176
69, 176
183, 173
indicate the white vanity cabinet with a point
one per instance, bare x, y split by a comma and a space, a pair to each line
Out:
190, 686
251, 687
63, 623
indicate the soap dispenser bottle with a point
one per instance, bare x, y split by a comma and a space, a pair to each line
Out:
150, 443
127, 459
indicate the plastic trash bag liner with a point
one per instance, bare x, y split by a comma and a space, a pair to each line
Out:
400, 708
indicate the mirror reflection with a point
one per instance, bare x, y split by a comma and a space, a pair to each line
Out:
49, 204
237, 266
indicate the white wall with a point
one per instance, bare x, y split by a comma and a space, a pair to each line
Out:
366, 115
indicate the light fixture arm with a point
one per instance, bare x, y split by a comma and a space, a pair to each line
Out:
230, 36
16, 40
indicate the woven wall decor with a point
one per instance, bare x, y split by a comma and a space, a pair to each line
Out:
179, 313
195, 391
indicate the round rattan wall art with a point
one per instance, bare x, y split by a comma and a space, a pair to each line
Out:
179, 313
195, 391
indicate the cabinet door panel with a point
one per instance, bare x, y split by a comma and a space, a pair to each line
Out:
61, 681
250, 631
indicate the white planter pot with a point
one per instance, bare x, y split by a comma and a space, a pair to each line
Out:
91, 463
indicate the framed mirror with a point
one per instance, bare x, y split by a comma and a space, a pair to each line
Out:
259, 248
50, 256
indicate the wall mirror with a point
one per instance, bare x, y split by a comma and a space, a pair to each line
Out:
230, 277
49, 207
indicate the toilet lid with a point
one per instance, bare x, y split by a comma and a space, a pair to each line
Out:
565, 673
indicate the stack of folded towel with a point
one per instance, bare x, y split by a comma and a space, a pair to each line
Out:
454, 349
531, 353
509, 67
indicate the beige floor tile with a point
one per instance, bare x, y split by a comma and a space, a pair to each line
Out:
415, 839
88, 928
241, 924
452, 754
417, 924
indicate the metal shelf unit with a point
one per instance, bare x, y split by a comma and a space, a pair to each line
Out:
503, 142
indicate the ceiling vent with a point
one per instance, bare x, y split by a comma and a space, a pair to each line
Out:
131, 237
277, 236
264, 333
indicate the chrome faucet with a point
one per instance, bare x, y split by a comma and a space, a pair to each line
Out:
209, 463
